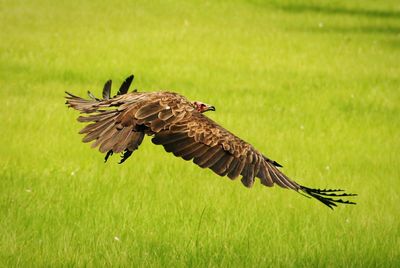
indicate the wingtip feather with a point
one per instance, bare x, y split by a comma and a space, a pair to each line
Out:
327, 196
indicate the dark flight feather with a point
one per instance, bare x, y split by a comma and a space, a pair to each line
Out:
125, 85
107, 90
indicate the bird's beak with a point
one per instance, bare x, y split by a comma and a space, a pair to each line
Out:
211, 108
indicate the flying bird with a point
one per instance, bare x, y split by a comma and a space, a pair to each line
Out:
118, 124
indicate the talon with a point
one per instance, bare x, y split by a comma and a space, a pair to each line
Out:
109, 153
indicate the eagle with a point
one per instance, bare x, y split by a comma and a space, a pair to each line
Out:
118, 124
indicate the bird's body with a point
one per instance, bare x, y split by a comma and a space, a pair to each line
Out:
119, 124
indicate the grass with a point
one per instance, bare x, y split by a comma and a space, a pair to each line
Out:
314, 85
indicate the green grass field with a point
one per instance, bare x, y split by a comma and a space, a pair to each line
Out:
314, 85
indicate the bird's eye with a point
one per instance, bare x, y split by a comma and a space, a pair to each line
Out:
203, 105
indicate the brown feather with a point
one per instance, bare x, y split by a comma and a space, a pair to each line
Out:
127, 118
186, 149
225, 169
107, 90
269, 175
147, 121
234, 173
104, 135
148, 110
214, 158
97, 125
264, 175
258, 161
96, 117
165, 114
171, 147
122, 140
178, 128
202, 159
235, 161
248, 175
157, 125
98, 132
284, 179
108, 143
197, 151
167, 137
222, 164
275, 176
136, 140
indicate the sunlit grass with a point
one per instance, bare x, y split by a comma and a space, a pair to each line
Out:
313, 85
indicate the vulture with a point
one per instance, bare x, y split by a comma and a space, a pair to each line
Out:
118, 124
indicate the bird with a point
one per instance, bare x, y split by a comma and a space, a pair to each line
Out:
119, 123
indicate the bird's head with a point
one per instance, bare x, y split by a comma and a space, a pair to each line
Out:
202, 107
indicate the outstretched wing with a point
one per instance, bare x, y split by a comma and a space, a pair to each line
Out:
211, 146
191, 135
119, 124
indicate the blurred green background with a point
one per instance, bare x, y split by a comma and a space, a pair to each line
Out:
314, 85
